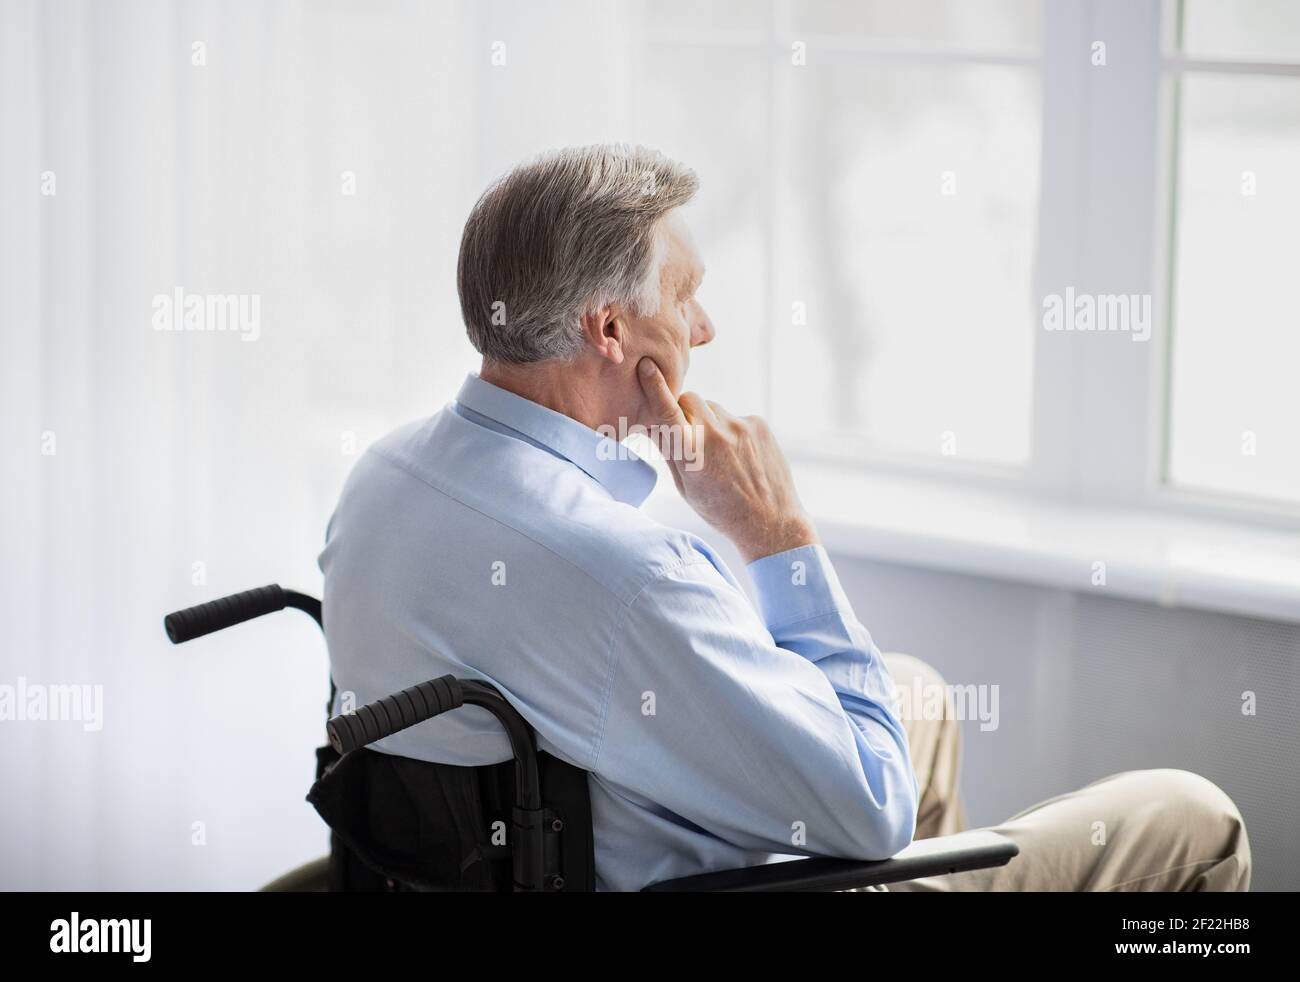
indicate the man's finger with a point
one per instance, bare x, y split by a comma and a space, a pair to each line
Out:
658, 395
672, 429
697, 409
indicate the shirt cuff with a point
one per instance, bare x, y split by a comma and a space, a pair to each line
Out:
797, 585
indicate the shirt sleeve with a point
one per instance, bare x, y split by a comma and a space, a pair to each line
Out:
774, 729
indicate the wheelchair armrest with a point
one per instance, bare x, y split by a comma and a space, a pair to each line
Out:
977, 849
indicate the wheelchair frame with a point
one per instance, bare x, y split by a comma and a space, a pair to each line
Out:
537, 868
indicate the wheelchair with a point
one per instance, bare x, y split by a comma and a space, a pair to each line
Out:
523, 825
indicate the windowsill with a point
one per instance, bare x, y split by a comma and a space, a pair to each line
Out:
1173, 561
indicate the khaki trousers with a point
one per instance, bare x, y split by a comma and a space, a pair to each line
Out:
1167, 830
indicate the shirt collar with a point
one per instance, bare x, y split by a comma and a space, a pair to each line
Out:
616, 468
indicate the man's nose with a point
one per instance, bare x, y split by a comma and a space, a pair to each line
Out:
702, 331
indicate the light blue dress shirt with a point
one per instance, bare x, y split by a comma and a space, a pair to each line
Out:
503, 541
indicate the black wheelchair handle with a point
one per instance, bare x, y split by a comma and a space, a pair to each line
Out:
390, 714
194, 622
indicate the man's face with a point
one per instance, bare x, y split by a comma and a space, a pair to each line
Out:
680, 323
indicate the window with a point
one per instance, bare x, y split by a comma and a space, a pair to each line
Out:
1235, 345
893, 192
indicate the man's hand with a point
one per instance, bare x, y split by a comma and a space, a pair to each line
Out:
731, 470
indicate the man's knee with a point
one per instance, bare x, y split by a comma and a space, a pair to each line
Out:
1202, 814
1197, 798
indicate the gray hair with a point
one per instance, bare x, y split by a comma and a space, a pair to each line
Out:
571, 231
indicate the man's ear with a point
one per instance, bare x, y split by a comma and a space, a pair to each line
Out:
606, 331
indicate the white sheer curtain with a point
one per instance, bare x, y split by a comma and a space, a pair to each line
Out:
186, 465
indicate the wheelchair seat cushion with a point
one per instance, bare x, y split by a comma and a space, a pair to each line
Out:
417, 824
404, 824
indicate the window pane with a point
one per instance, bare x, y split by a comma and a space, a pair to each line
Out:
907, 235
1250, 30
1236, 344
1010, 25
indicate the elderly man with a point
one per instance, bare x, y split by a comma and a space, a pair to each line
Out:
502, 539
